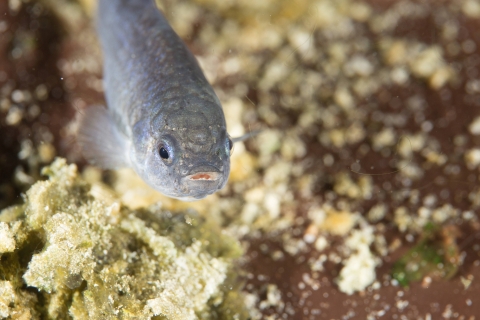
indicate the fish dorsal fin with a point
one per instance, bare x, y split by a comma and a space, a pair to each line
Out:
100, 140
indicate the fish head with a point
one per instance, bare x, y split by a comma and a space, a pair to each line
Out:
188, 157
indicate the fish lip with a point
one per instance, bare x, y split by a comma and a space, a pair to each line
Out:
204, 173
204, 176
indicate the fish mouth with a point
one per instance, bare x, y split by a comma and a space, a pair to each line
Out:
205, 176
200, 182
204, 173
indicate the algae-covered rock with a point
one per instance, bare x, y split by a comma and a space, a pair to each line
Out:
69, 253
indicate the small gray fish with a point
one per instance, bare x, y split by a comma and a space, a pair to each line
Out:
163, 119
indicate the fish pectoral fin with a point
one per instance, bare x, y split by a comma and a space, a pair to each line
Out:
246, 136
100, 140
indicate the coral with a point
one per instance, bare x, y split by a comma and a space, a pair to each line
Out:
70, 252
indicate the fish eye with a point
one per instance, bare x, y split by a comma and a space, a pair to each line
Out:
229, 145
164, 153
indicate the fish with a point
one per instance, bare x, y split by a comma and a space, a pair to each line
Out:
163, 118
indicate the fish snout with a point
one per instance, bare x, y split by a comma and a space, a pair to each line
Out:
201, 181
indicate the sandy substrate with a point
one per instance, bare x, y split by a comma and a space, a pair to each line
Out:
360, 198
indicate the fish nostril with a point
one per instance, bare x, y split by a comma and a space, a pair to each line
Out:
198, 136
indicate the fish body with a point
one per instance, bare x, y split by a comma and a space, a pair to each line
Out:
163, 119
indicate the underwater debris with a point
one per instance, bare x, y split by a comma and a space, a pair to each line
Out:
436, 255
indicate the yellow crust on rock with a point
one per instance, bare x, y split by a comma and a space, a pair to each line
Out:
91, 258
